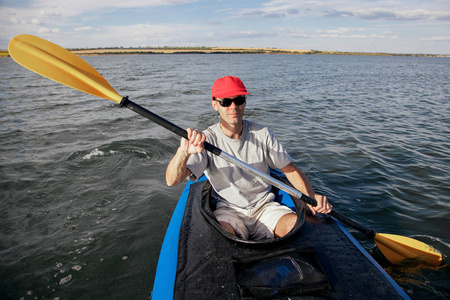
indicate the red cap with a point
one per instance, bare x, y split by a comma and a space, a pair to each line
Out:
228, 86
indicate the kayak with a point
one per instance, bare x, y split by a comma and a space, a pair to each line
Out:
318, 258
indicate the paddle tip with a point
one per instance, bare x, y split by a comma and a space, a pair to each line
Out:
400, 250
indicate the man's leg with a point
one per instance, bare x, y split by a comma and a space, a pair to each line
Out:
228, 228
232, 221
285, 224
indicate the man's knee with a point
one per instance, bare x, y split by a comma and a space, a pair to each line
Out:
228, 228
285, 224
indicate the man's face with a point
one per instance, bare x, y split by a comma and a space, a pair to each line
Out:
232, 114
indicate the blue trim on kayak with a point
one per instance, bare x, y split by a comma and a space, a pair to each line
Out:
167, 262
393, 283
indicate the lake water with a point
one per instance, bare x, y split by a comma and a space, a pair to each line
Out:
83, 202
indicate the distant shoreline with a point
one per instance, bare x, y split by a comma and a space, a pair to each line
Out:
222, 50
230, 50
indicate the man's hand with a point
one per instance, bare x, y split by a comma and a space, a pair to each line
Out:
176, 169
195, 143
323, 206
301, 183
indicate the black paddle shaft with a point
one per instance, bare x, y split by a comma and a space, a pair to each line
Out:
370, 233
164, 123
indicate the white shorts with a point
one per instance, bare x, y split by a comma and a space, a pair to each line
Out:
256, 224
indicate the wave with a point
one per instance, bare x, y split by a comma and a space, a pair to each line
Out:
97, 152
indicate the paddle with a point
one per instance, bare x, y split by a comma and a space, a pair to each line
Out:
397, 249
57, 63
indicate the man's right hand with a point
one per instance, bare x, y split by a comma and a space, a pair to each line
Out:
195, 143
176, 169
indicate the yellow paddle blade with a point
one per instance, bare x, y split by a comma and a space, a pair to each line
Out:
61, 65
398, 249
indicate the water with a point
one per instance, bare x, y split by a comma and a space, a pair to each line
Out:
84, 206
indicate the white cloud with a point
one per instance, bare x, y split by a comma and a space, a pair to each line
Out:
14, 20
49, 13
366, 10
72, 8
141, 35
296, 33
341, 33
48, 30
86, 28
232, 36
437, 38
338, 31
401, 15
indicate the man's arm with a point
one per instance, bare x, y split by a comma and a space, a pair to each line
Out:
176, 170
301, 183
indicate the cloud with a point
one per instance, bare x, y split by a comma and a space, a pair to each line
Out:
338, 31
275, 16
392, 14
299, 34
365, 10
86, 28
71, 8
437, 38
230, 36
341, 33
17, 20
49, 13
271, 12
245, 34
253, 13
249, 34
137, 35
60, 11
44, 30
50, 17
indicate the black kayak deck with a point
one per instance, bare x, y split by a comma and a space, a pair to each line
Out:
207, 265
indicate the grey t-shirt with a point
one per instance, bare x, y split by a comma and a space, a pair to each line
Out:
257, 147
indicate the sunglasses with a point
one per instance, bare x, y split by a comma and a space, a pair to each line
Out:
227, 101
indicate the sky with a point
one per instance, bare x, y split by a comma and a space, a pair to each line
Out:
409, 26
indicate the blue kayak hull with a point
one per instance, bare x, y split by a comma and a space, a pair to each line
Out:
197, 262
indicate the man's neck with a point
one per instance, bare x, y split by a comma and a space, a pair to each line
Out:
233, 131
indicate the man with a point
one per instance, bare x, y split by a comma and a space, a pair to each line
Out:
245, 205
